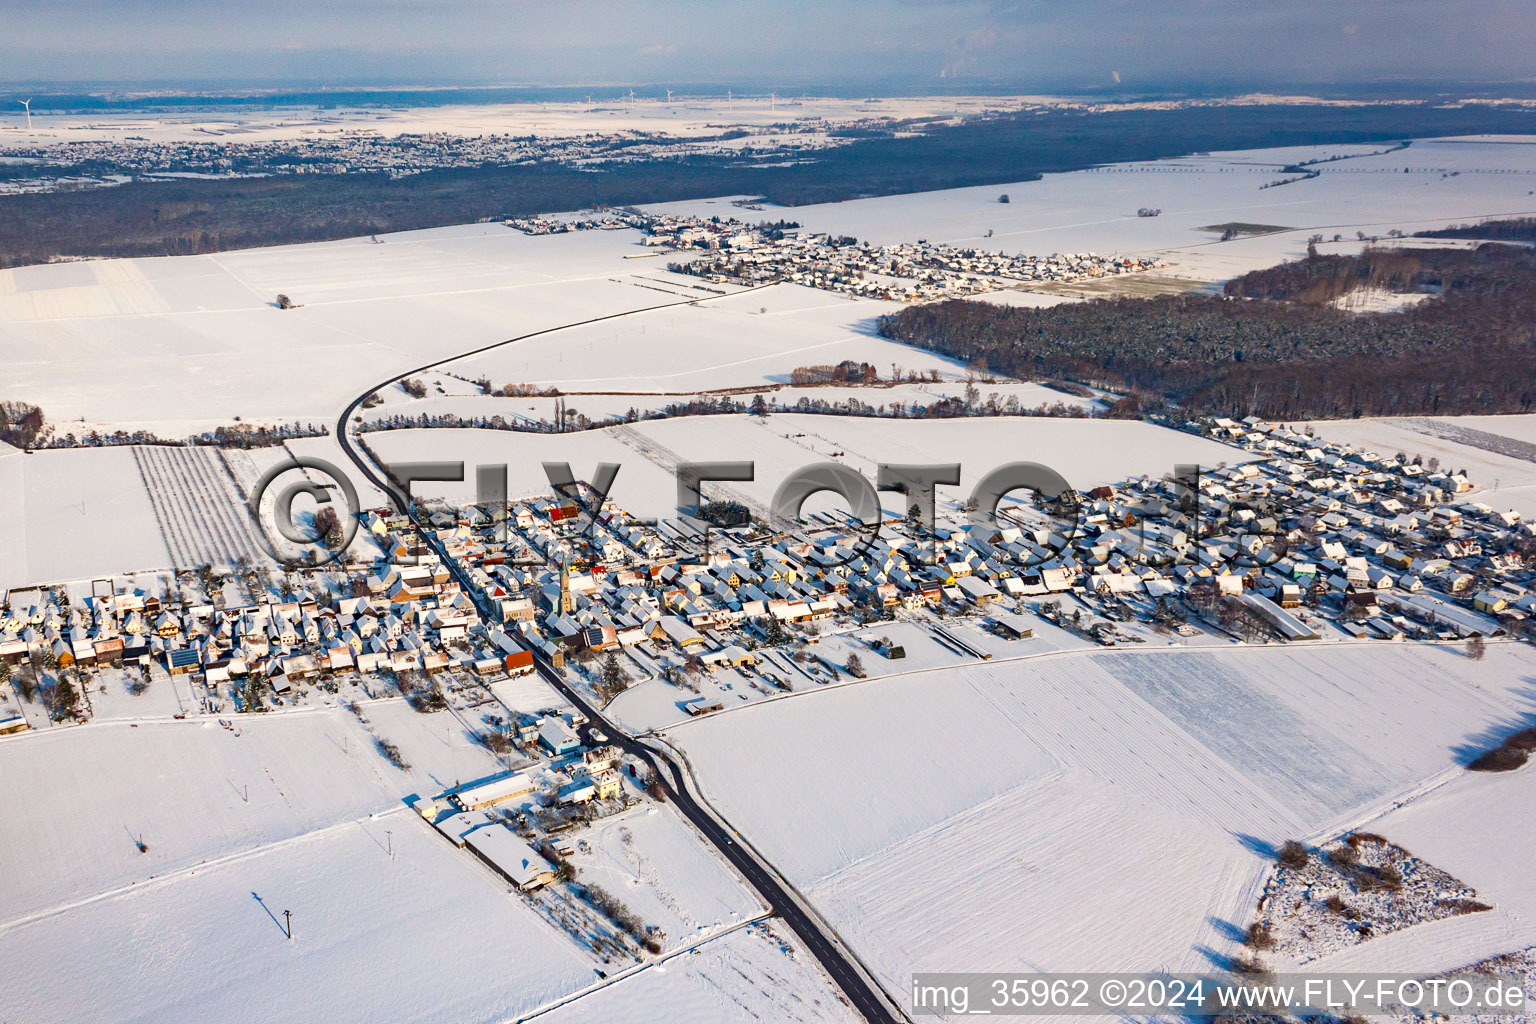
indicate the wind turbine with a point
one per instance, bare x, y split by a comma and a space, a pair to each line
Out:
28, 104
669, 95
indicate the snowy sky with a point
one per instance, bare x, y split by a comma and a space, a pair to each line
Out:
943, 42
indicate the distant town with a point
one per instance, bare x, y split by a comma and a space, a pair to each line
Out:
349, 147
771, 253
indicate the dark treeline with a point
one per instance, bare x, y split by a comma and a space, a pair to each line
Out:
972, 403
1288, 355
146, 218
241, 435
1516, 229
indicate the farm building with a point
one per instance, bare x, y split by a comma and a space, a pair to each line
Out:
456, 827
702, 706
733, 656
503, 850
1288, 625
1014, 626
487, 792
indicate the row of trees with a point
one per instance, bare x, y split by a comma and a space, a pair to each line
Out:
239, 435
972, 403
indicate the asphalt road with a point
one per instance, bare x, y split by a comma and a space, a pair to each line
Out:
727, 841
828, 953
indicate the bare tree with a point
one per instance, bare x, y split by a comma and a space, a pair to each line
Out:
1293, 854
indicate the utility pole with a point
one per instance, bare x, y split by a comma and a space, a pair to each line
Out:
288, 923
389, 843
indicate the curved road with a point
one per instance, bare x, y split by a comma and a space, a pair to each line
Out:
860, 990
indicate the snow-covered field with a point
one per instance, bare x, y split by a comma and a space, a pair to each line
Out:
75, 513
186, 339
298, 811
13, 513
758, 973
656, 704
427, 934
1086, 452
528, 693
745, 339
80, 513
1518, 428
1477, 827
640, 485
653, 862
440, 748
1332, 902
1020, 815
194, 792
198, 506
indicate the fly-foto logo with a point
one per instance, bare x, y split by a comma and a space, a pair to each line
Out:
1161, 531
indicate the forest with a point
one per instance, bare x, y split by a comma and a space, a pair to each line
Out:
149, 218
1273, 345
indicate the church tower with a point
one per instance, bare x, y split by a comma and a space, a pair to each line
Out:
565, 607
